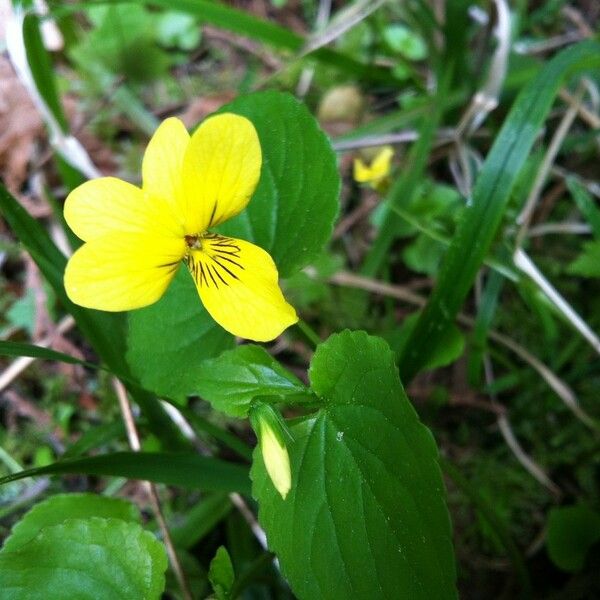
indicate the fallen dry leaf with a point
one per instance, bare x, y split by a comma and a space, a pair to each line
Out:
20, 128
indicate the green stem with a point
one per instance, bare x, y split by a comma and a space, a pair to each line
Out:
309, 333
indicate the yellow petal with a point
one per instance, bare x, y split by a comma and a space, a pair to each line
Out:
382, 162
377, 170
108, 205
122, 271
162, 167
362, 173
221, 169
237, 282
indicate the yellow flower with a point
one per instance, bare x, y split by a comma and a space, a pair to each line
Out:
135, 239
377, 173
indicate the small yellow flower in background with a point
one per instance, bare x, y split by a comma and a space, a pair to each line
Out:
271, 432
376, 174
135, 239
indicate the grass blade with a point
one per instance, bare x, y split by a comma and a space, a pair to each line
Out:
20, 349
185, 470
480, 222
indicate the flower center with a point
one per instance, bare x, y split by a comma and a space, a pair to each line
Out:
194, 242
214, 260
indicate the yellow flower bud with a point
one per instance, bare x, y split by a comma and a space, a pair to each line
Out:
276, 459
272, 433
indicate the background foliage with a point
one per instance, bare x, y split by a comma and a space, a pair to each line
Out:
473, 267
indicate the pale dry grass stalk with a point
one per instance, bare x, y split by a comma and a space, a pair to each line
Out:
444, 135
527, 266
486, 99
20, 364
306, 77
524, 218
249, 517
135, 445
63, 143
507, 432
344, 20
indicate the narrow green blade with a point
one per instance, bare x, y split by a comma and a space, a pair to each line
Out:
478, 227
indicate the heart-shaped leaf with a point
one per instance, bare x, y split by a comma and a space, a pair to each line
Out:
366, 515
104, 559
61, 507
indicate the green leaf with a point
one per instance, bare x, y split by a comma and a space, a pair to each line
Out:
292, 212
479, 224
189, 471
178, 30
572, 531
231, 381
221, 574
424, 255
168, 340
404, 41
22, 313
85, 558
366, 515
587, 264
122, 43
488, 305
61, 507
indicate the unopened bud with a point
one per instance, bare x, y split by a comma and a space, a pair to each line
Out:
272, 432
